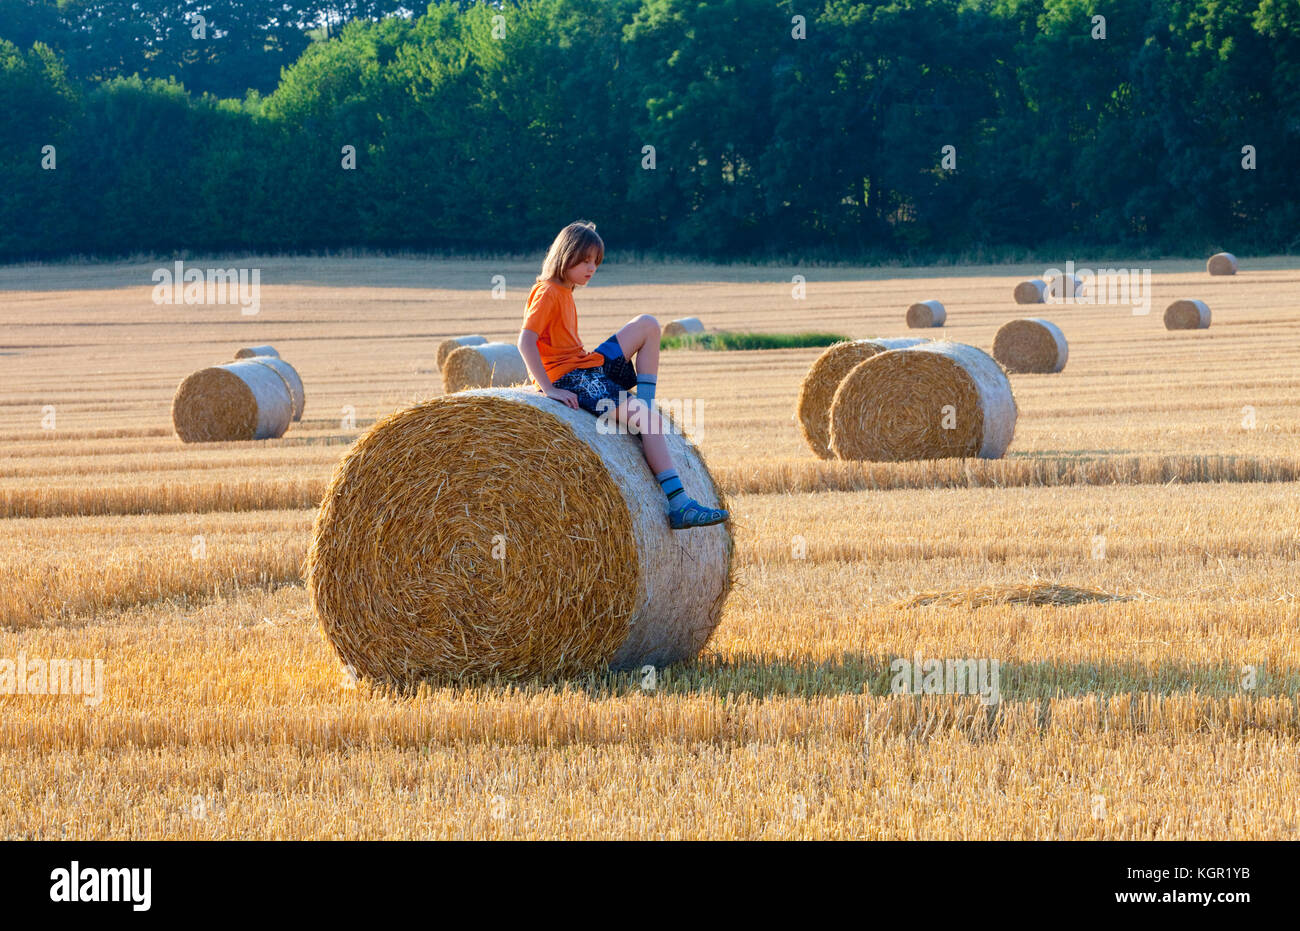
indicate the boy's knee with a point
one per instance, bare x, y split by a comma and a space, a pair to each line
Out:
650, 323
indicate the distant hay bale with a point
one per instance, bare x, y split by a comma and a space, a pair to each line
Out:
496, 533
682, 326
491, 365
249, 351
292, 381
448, 346
1063, 287
1222, 263
242, 400
1187, 315
1031, 345
925, 314
1033, 291
818, 388
938, 400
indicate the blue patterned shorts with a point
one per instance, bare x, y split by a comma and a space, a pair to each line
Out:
601, 382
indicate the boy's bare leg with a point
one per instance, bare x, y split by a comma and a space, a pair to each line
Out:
684, 511
639, 338
632, 415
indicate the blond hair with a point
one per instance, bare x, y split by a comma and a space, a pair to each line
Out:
571, 247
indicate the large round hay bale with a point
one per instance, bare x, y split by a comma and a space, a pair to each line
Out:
818, 388
491, 365
1033, 291
925, 314
497, 533
242, 400
448, 346
1031, 345
938, 400
1187, 315
682, 326
1063, 287
292, 381
249, 351
1222, 263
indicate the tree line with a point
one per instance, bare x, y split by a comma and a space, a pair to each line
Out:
728, 129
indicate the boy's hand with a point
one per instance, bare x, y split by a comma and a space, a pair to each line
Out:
564, 397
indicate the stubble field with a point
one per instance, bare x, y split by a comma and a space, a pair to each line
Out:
1159, 471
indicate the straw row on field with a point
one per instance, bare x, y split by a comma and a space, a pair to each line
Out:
164, 498
569, 718
764, 478
819, 475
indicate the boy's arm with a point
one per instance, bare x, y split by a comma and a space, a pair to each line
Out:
533, 359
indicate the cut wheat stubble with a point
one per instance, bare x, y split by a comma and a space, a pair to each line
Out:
499, 534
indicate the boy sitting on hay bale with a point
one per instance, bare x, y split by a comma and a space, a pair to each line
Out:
563, 370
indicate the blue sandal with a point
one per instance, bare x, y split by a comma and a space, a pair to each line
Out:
694, 514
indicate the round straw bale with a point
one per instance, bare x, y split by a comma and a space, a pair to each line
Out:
292, 381
242, 400
924, 314
448, 346
939, 400
1187, 315
249, 351
682, 326
1063, 287
497, 533
1222, 263
1033, 291
818, 388
486, 366
1031, 345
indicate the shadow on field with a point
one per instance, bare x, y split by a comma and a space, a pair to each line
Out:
856, 674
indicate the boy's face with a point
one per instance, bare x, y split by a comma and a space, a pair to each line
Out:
581, 273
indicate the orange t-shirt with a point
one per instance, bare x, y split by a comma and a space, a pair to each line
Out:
553, 316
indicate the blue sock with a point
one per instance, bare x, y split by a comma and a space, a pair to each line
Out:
645, 387
610, 349
672, 486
